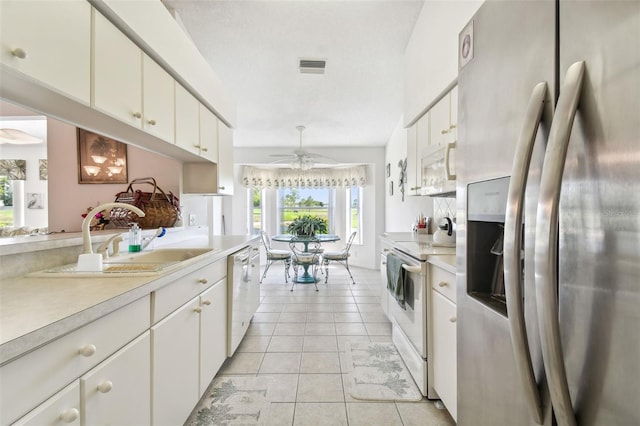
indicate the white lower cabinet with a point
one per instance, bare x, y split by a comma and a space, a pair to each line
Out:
188, 348
117, 392
384, 293
213, 332
174, 362
61, 409
444, 345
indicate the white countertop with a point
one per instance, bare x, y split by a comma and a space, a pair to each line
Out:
34, 311
419, 246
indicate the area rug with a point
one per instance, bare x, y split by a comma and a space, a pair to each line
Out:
379, 374
233, 400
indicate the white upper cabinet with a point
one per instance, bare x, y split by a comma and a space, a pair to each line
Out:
412, 183
208, 134
440, 122
158, 100
225, 160
50, 42
117, 73
187, 120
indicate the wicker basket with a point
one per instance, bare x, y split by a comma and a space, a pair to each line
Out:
160, 209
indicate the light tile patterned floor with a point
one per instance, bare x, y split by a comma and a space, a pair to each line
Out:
299, 337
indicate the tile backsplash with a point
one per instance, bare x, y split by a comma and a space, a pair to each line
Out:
442, 207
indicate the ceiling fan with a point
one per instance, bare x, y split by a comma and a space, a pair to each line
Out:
299, 158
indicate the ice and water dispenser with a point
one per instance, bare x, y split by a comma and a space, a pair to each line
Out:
486, 206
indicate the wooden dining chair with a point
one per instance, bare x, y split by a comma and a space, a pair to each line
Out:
274, 255
341, 256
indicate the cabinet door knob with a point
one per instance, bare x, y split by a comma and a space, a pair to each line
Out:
384, 263
152, 122
197, 309
221, 187
19, 53
205, 149
105, 387
137, 115
87, 350
452, 319
453, 126
197, 145
70, 415
203, 281
443, 284
444, 132
206, 302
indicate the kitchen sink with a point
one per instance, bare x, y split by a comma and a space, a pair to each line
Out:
130, 264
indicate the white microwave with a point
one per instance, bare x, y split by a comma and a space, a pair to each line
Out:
438, 170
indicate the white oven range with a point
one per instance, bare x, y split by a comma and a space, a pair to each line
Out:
410, 324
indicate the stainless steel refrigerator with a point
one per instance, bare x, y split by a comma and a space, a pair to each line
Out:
548, 211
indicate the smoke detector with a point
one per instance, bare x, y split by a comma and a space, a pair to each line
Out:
312, 66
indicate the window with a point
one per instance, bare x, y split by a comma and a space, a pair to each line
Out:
294, 202
255, 210
354, 213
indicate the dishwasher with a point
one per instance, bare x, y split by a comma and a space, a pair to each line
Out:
243, 274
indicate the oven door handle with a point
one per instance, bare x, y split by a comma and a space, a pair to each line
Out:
412, 269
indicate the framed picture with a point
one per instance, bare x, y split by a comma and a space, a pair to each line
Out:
101, 159
390, 187
35, 200
388, 169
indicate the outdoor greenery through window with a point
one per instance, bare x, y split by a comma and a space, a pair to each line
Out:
6, 202
256, 212
295, 202
354, 222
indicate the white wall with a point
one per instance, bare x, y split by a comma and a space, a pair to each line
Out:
401, 215
68, 199
364, 255
431, 56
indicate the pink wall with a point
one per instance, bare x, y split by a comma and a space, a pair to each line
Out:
68, 199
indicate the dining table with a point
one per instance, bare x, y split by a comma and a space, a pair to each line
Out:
306, 277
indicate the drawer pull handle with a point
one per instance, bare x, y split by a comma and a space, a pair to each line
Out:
137, 115
19, 53
443, 284
221, 188
197, 309
384, 263
152, 122
452, 319
385, 250
203, 281
105, 387
70, 415
206, 302
87, 350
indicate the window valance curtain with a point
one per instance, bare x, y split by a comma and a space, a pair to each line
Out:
274, 178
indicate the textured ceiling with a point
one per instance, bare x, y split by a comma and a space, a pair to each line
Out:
254, 47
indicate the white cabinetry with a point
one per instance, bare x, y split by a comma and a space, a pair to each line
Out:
187, 120
225, 160
190, 344
444, 337
213, 332
50, 42
208, 134
61, 409
117, 391
117, 73
175, 358
413, 165
384, 293
31, 379
158, 100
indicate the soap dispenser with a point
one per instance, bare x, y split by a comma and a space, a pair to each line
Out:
135, 238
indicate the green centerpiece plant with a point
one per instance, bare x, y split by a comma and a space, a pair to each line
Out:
307, 226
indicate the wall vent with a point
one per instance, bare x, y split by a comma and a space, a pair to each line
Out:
312, 66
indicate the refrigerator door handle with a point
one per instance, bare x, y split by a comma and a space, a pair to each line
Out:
513, 248
546, 244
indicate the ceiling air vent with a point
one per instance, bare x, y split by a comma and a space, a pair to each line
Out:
312, 66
